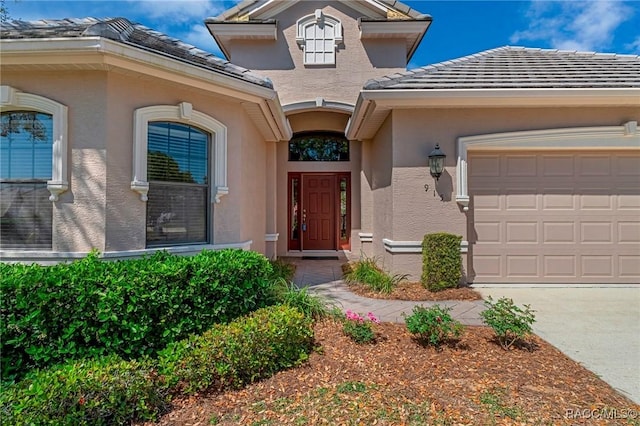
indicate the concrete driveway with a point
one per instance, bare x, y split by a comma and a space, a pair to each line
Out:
597, 326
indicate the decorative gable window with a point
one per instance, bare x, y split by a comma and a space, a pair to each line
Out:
319, 35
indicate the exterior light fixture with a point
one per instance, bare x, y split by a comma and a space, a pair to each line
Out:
436, 162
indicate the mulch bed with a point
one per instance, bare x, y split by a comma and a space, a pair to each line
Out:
415, 291
398, 382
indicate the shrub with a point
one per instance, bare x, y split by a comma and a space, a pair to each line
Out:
311, 305
441, 261
248, 349
357, 328
282, 269
90, 308
110, 390
105, 391
367, 272
433, 325
509, 322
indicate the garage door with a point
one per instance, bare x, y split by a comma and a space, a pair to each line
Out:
540, 217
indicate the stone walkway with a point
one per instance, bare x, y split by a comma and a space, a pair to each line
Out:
324, 278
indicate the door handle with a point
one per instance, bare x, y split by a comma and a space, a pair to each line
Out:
304, 220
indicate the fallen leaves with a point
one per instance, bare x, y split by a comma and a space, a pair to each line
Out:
398, 382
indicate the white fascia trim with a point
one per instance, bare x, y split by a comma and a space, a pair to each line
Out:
271, 237
13, 99
245, 30
371, 101
319, 104
504, 97
606, 138
397, 29
56, 256
366, 237
124, 56
413, 246
182, 113
270, 9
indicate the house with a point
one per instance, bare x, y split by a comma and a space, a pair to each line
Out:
314, 138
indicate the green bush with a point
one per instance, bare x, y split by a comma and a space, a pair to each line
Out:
441, 261
283, 269
433, 325
91, 308
367, 272
248, 349
106, 391
509, 322
287, 293
357, 328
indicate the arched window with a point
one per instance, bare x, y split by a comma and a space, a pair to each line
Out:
319, 146
33, 168
319, 35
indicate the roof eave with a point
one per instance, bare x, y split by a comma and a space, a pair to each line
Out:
412, 30
98, 52
374, 105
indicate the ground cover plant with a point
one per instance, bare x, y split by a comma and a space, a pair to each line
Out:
399, 382
130, 308
367, 272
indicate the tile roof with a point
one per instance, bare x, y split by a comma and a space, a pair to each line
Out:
247, 5
511, 67
132, 34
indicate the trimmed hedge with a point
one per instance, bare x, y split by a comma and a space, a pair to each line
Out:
441, 261
104, 391
112, 391
246, 350
129, 308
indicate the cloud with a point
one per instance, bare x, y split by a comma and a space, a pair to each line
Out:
586, 25
634, 46
178, 11
199, 36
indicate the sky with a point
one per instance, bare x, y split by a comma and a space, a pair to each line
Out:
459, 28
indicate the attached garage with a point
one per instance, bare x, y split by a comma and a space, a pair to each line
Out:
554, 216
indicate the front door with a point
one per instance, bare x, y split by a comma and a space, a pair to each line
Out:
318, 212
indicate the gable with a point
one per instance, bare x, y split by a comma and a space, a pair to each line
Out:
249, 10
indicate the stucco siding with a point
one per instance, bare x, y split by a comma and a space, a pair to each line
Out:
304, 122
356, 62
79, 215
100, 210
415, 133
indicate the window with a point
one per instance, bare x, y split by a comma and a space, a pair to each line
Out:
319, 146
26, 147
319, 35
33, 168
177, 171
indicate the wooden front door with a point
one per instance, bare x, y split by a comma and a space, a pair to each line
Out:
319, 212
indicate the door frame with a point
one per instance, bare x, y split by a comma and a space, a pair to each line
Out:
340, 243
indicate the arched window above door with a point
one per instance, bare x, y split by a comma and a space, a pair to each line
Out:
319, 146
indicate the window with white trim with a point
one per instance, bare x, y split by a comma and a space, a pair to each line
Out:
33, 168
319, 36
180, 169
178, 175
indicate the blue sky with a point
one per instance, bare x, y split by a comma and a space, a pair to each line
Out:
459, 27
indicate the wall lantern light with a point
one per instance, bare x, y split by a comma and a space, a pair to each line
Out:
436, 162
